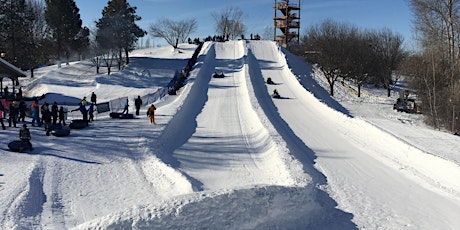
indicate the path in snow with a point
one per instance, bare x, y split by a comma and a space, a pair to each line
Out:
229, 146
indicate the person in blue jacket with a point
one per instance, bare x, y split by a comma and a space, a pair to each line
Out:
91, 112
83, 111
126, 107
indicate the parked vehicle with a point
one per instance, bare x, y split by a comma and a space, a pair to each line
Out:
405, 105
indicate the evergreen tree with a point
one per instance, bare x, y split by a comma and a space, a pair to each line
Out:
117, 29
63, 18
16, 35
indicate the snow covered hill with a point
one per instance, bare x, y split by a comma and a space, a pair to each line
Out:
224, 154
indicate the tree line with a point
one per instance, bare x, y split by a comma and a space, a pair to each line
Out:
41, 32
343, 51
434, 67
36, 32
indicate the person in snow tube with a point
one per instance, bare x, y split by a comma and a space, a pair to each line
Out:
24, 136
276, 94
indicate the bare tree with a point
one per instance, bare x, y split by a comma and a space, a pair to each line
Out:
328, 44
438, 25
229, 22
362, 62
174, 32
268, 32
388, 48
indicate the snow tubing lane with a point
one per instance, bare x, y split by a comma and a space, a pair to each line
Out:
20, 146
78, 124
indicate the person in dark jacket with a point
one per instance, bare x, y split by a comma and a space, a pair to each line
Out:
13, 116
138, 104
1, 115
22, 110
42, 109
91, 112
54, 112
62, 116
24, 133
83, 111
93, 98
47, 119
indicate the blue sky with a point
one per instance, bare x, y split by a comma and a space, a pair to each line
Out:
372, 14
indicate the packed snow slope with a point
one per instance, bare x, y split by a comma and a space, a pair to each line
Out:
224, 154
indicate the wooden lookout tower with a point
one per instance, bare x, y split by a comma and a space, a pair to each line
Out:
287, 22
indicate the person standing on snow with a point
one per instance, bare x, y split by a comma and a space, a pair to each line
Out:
83, 101
138, 104
83, 111
1, 115
91, 112
47, 119
35, 113
13, 116
62, 115
151, 113
126, 107
54, 112
22, 110
93, 98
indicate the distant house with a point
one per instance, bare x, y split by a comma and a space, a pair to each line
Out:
7, 70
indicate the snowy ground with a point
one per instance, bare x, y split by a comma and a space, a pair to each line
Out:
224, 154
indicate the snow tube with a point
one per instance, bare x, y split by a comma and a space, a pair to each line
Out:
20, 146
115, 115
126, 116
56, 126
216, 75
121, 115
62, 132
78, 124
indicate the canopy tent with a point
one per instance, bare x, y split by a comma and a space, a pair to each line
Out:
10, 71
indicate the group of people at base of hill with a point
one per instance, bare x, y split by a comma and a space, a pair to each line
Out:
16, 112
138, 104
55, 115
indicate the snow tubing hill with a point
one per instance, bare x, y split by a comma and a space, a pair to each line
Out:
78, 124
20, 146
121, 115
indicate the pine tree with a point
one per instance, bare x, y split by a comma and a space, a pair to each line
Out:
16, 36
117, 28
64, 20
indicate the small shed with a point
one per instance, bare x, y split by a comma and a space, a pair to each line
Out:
7, 70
